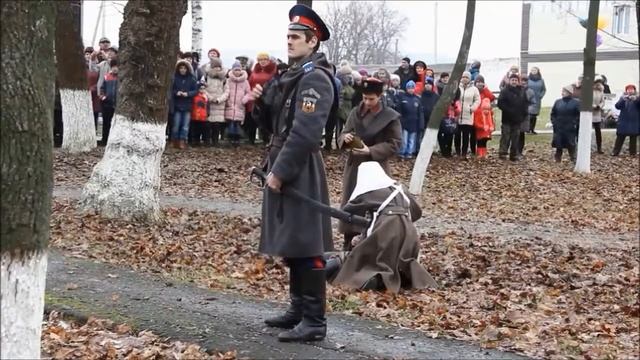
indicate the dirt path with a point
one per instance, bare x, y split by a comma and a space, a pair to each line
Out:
429, 223
220, 321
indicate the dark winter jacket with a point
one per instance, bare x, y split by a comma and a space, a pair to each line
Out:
428, 100
110, 90
440, 85
411, 113
390, 99
565, 115
514, 105
629, 118
185, 83
357, 96
474, 71
539, 89
405, 76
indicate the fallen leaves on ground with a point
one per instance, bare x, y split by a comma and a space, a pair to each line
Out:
100, 339
542, 298
535, 190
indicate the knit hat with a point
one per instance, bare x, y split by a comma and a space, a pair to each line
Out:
420, 63
356, 75
214, 50
236, 65
410, 84
407, 59
262, 55
215, 62
363, 72
514, 75
568, 88
466, 74
394, 77
345, 70
480, 79
428, 80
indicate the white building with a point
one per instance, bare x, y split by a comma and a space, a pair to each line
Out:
553, 40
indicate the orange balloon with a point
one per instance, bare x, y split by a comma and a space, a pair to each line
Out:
602, 22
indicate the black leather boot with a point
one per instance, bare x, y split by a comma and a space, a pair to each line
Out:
313, 326
333, 266
293, 315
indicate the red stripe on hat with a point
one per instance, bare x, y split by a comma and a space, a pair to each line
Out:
308, 22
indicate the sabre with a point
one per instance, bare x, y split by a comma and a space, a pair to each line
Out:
318, 206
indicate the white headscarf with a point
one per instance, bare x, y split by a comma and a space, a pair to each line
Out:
371, 177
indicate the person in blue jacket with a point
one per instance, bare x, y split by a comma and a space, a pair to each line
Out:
411, 118
184, 88
628, 120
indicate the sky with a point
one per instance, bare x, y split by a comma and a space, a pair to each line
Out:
248, 27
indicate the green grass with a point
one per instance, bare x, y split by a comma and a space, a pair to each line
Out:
543, 118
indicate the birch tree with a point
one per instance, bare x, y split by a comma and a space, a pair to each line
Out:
26, 141
77, 109
431, 135
583, 160
196, 27
125, 183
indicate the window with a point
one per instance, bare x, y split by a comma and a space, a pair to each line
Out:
621, 15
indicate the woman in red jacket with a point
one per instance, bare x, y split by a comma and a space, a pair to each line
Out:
262, 72
483, 117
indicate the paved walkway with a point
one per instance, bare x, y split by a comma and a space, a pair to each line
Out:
222, 322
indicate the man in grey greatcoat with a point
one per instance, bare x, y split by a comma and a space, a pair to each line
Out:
291, 229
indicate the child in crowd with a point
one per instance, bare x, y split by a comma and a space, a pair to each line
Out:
199, 115
239, 92
215, 79
184, 89
483, 117
412, 119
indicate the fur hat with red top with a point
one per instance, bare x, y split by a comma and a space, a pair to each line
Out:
303, 18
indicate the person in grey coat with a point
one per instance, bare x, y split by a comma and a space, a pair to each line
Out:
292, 229
535, 83
531, 100
565, 115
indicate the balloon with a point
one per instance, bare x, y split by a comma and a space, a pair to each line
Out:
598, 40
583, 22
602, 22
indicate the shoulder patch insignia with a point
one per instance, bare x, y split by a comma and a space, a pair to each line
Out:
308, 66
310, 92
308, 104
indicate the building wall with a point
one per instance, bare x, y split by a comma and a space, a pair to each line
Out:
558, 74
553, 29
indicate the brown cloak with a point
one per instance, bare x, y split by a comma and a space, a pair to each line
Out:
392, 248
382, 133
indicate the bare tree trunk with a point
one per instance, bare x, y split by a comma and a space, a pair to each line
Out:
196, 27
125, 183
77, 109
26, 169
305, 2
583, 161
431, 135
